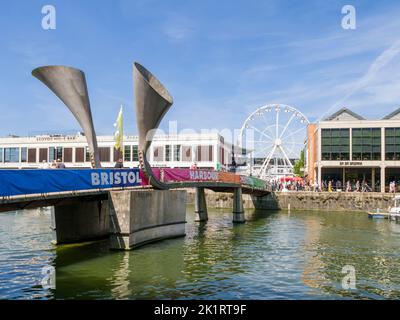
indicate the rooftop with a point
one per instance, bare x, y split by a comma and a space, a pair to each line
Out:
345, 114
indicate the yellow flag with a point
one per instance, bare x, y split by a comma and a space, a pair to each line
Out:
119, 133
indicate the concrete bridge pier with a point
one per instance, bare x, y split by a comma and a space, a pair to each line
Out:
200, 205
138, 217
80, 221
238, 211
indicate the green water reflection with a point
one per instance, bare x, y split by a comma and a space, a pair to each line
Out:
275, 255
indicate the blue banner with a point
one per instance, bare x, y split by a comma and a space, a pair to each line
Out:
20, 182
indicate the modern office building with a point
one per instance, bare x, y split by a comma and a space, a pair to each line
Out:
207, 150
346, 147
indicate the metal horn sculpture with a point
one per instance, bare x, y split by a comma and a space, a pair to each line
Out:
152, 103
69, 85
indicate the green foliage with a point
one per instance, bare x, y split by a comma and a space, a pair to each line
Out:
299, 165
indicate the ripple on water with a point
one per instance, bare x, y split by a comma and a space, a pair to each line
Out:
273, 256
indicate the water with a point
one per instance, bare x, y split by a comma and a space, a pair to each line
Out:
275, 255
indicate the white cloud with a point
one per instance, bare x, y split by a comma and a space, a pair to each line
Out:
178, 28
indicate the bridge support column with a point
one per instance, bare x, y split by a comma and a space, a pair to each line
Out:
80, 221
143, 216
238, 211
200, 205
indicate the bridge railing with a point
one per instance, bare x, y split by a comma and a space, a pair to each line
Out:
40, 181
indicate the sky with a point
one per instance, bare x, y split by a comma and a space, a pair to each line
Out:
220, 60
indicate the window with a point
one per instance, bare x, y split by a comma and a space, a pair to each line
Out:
68, 155
43, 154
11, 155
127, 153
366, 143
335, 144
158, 153
32, 155
104, 154
204, 153
1, 154
392, 143
135, 153
55, 153
186, 153
177, 153
24, 154
87, 155
167, 153
79, 154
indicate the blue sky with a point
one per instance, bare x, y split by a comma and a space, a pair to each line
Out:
219, 59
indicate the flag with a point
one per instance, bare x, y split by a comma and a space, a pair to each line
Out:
119, 133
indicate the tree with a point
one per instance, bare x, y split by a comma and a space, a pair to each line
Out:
299, 165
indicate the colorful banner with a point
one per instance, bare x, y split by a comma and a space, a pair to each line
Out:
20, 182
252, 181
176, 175
229, 177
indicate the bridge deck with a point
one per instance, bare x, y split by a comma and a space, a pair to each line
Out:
31, 201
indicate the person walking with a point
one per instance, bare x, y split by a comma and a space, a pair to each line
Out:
193, 166
330, 186
348, 186
119, 164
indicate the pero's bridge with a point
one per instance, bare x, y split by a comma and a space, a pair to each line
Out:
28, 189
92, 203
133, 206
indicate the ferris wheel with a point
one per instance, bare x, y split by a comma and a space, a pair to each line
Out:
274, 136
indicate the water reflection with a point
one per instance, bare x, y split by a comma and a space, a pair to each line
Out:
275, 255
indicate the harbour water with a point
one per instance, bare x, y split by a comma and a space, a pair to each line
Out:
275, 255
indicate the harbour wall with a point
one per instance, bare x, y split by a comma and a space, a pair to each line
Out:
319, 201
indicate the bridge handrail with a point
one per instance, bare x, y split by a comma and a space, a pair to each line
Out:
40, 181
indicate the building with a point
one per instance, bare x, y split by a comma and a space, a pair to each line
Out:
346, 147
207, 150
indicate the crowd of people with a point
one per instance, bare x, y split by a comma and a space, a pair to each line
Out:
326, 186
55, 164
290, 185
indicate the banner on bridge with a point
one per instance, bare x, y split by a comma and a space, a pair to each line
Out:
20, 182
176, 174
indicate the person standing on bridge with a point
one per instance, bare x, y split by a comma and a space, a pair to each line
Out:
119, 164
60, 164
44, 165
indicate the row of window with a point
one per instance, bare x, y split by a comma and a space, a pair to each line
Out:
32, 155
392, 143
131, 154
335, 144
366, 144
182, 153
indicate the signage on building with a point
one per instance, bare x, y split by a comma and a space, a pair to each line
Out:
60, 138
350, 163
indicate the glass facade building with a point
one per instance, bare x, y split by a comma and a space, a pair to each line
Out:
346, 149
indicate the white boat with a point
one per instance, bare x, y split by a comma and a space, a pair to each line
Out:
394, 211
378, 215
